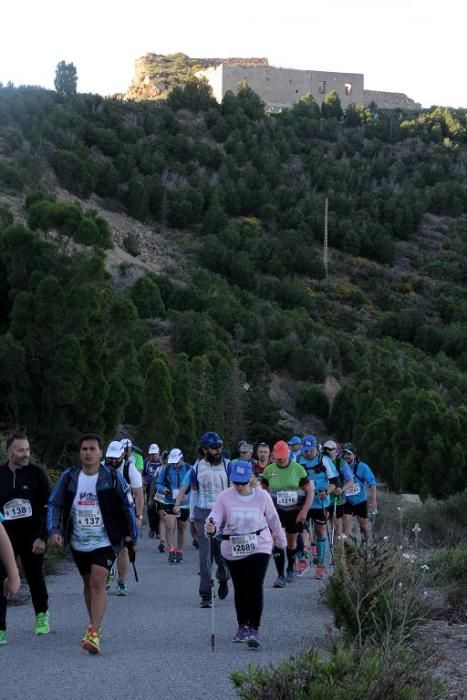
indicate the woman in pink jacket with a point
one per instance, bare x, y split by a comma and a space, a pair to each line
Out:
246, 520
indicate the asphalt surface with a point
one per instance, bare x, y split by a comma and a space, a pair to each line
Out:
156, 641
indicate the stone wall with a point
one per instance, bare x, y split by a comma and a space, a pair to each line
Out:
231, 61
390, 100
281, 87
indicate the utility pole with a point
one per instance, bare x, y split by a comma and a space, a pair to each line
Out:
325, 250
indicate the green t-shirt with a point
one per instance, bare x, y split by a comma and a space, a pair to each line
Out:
286, 480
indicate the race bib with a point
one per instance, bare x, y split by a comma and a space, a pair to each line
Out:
159, 497
89, 518
354, 491
287, 498
17, 508
175, 493
243, 544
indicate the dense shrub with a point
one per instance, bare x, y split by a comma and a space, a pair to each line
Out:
364, 674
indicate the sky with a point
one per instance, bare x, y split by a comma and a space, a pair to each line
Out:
412, 46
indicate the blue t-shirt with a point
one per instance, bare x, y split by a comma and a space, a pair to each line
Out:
319, 478
172, 478
149, 470
362, 477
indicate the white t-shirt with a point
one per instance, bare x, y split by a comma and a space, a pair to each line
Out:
89, 532
136, 479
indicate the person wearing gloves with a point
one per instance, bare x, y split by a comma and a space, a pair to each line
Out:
245, 519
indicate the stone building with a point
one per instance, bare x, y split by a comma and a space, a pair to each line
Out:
281, 87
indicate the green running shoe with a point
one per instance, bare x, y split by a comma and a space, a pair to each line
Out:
91, 642
42, 623
3, 639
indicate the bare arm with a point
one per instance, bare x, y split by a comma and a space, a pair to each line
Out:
7, 557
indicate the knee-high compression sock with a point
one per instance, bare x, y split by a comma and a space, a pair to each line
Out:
279, 560
291, 559
321, 547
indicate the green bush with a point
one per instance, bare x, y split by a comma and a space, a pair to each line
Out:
442, 522
131, 245
374, 594
313, 400
449, 570
353, 675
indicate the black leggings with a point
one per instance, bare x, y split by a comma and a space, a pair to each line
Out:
248, 577
32, 565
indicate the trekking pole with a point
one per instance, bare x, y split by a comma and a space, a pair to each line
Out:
331, 548
213, 636
333, 530
132, 558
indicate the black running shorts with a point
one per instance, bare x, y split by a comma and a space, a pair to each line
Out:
317, 515
168, 508
288, 520
339, 511
104, 556
360, 509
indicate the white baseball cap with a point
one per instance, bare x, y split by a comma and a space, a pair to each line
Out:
153, 449
126, 443
114, 450
330, 444
175, 456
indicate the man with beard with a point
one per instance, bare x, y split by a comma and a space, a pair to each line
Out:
24, 492
209, 476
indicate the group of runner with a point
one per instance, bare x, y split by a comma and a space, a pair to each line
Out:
284, 502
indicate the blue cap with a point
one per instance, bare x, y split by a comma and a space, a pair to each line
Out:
295, 440
240, 472
210, 440
309, 442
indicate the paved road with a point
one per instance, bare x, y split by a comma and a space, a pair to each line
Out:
156, 641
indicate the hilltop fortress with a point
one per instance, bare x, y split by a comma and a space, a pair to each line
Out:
279, 88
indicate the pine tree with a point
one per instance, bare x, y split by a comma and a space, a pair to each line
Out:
158, 423
183, 402
66, 78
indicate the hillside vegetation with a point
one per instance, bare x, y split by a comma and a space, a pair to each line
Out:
241, 194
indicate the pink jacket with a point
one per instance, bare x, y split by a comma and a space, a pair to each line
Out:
242, 515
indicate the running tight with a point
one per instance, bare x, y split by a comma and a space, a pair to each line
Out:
32, 565
248, 577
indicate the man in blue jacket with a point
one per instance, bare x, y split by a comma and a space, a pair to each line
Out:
95, 506
362, 496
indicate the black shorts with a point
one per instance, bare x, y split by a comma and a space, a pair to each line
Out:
360, 509
168, 508
288, 520
339, 511
317, 515
103, 556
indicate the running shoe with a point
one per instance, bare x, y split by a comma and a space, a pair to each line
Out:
172, 558
161, 547
3, 639
179, 557
122, 588
301, 566
42, 623
91, 642
195, 543
206, 602
320, 573
253, 641
280, 582
290, 576
242, 634
223, 590
88, 632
